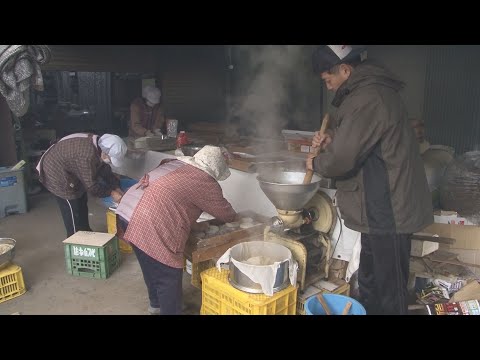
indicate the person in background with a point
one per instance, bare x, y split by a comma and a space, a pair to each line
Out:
159, 214
435, 158
146, 114
77, 164
382, 191
419, 129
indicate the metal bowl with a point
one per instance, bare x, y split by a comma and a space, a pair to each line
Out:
191, 149
285, 189
241, 252
7, 256
242, 282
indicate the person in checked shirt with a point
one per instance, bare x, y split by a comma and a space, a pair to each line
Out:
162, 209
79, 164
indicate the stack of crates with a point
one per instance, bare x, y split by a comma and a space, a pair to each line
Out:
125, 247
92, 254
221, 298
339, 286
11, 282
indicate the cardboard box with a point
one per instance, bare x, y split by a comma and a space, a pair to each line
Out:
298, 141
466, 237
467, 241
469, 256
450, 217
298, 135
299, 147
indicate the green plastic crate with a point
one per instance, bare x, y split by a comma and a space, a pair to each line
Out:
98, 262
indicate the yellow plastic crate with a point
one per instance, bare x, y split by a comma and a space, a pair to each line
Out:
111, 222
221, 298
11, 282
124, 246
312, 290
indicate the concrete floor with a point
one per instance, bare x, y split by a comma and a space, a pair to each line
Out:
52, 291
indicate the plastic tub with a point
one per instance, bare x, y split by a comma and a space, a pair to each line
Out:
336, 303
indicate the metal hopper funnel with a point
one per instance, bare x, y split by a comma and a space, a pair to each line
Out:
285, 189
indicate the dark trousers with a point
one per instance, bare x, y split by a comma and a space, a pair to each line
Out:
74, 214
164, 284
383, 273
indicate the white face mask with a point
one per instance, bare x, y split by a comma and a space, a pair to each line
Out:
150, 104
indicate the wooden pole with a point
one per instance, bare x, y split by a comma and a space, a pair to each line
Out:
323, 128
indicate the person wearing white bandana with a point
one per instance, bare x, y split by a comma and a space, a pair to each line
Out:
146, 114
160, 212
76, 165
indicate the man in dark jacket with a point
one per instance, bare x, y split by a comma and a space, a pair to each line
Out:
372, 153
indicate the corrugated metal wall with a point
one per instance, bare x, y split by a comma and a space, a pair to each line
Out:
193, 82
8, 153
95, 95
191, 77
452, 96
192, 96
63, 84
113, 58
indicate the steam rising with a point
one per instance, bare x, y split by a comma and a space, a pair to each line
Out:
274, 88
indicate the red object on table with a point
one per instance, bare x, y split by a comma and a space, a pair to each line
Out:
182, 139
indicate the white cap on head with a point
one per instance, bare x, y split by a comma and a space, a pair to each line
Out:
152, 94
341, 50
327, 56
114, 147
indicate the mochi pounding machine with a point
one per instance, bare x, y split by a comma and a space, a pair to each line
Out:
305, 221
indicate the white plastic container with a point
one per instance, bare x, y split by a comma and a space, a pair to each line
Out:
172, 128
188, 266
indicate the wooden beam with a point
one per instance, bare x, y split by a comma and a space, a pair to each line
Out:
441, 240
455, 262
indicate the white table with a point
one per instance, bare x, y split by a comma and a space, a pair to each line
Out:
242, 190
